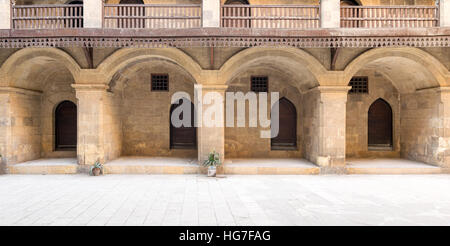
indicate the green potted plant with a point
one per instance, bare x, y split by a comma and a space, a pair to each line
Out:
96, 169
212, 162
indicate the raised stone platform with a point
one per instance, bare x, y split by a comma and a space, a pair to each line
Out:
45, 166
390, 166
270, 167
163, 165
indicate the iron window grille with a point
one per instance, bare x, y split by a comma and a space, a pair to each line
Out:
360, 85
260, 83
160, 82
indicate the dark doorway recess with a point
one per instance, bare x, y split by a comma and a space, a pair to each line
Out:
66, 126
183, 137
380, 124
287, 135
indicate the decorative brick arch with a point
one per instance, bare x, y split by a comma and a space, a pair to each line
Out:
124, 57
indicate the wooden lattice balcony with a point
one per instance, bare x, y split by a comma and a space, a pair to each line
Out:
152, 15
389, 16
49, 16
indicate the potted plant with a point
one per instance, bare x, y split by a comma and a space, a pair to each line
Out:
96, 169
212, 162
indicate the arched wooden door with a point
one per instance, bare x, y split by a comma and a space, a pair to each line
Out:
66, 126
183, 137
131, 11
287, 134
380, 124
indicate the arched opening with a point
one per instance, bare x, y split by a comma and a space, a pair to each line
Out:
237, 12
131, 2
183, 137
66, 126
380, 125
131, 11
287, 133
77, 12
349, 3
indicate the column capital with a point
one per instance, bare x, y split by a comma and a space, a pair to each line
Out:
9, 89
211, 87
330, 89
90, 87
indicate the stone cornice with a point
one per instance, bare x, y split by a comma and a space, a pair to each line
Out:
330, 89
211, 87
90, 87
9, 89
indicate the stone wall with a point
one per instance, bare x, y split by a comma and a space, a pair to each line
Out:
54, 92
112, 127
145, 114
20, 127
422, 126
311, 108
357, 120
245, 142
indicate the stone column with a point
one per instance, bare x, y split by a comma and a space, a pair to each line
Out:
90, 144
325, 118
210, 119
444, 143
330, 13
444, 13
93, 13
20, 132
5, 13
211, 13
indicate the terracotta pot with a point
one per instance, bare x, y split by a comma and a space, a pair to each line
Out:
96, 171
212, 171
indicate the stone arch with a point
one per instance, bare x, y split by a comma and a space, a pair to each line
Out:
23, 56
289, 59
237, 2
124, 57
351, 3
407, 58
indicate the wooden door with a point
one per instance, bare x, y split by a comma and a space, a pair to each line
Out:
66, 126
183, 137
380, 124
287, 135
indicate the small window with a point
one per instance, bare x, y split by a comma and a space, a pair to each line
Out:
160, 82
260, 84
359, 85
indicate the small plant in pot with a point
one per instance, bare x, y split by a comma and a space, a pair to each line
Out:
96, 169
212, 162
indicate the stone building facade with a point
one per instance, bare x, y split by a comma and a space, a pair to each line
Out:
119, 114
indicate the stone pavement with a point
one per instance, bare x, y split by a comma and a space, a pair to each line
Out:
234, 200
